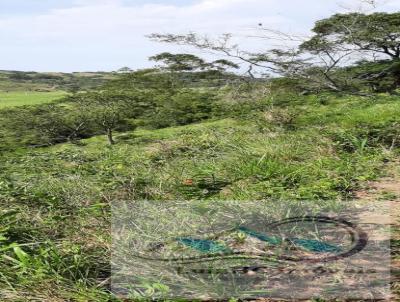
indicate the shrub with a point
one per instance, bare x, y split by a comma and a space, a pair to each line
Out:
185, 107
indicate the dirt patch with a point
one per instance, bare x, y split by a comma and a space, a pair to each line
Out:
379, 204
385, 187
384, 196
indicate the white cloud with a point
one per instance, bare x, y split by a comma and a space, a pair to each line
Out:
96, 2
106, 34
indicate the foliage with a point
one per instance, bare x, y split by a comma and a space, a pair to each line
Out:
42, 125
342, 39
20, 81
377, 33
180, 62
189, 62
172, 101
185, 107
109, 110
75, 117
319, 63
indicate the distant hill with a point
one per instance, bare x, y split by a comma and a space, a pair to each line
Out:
52, 81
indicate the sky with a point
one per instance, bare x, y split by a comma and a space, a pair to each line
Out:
105, 35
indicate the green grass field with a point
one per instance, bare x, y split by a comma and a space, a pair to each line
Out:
12, 99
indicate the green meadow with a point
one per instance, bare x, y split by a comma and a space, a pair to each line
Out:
22, 98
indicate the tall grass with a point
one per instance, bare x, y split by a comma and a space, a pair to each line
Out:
55, 235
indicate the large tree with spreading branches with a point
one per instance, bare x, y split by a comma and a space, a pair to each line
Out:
332, 58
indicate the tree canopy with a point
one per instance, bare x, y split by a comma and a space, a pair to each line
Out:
377, 33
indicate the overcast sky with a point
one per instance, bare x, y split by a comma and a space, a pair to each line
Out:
93, 35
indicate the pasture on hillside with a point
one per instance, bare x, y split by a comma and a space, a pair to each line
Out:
22, 98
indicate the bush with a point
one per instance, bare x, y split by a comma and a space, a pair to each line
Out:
43, 125
185, 107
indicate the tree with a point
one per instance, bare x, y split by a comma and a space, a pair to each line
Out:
180, 62
143, 80
45, 124
377, 33
187, 69
340, 41
350, 39
185, 107
175, 72
221, 46
188, 62
110, 110
124, 70
168, 90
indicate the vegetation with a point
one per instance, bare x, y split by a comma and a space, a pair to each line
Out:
20, 81
373, 36
12, 99
316, 64
186, 130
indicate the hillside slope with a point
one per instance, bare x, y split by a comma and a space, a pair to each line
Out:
20, 81
58, 229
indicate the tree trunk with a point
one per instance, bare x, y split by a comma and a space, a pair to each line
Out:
110, 136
